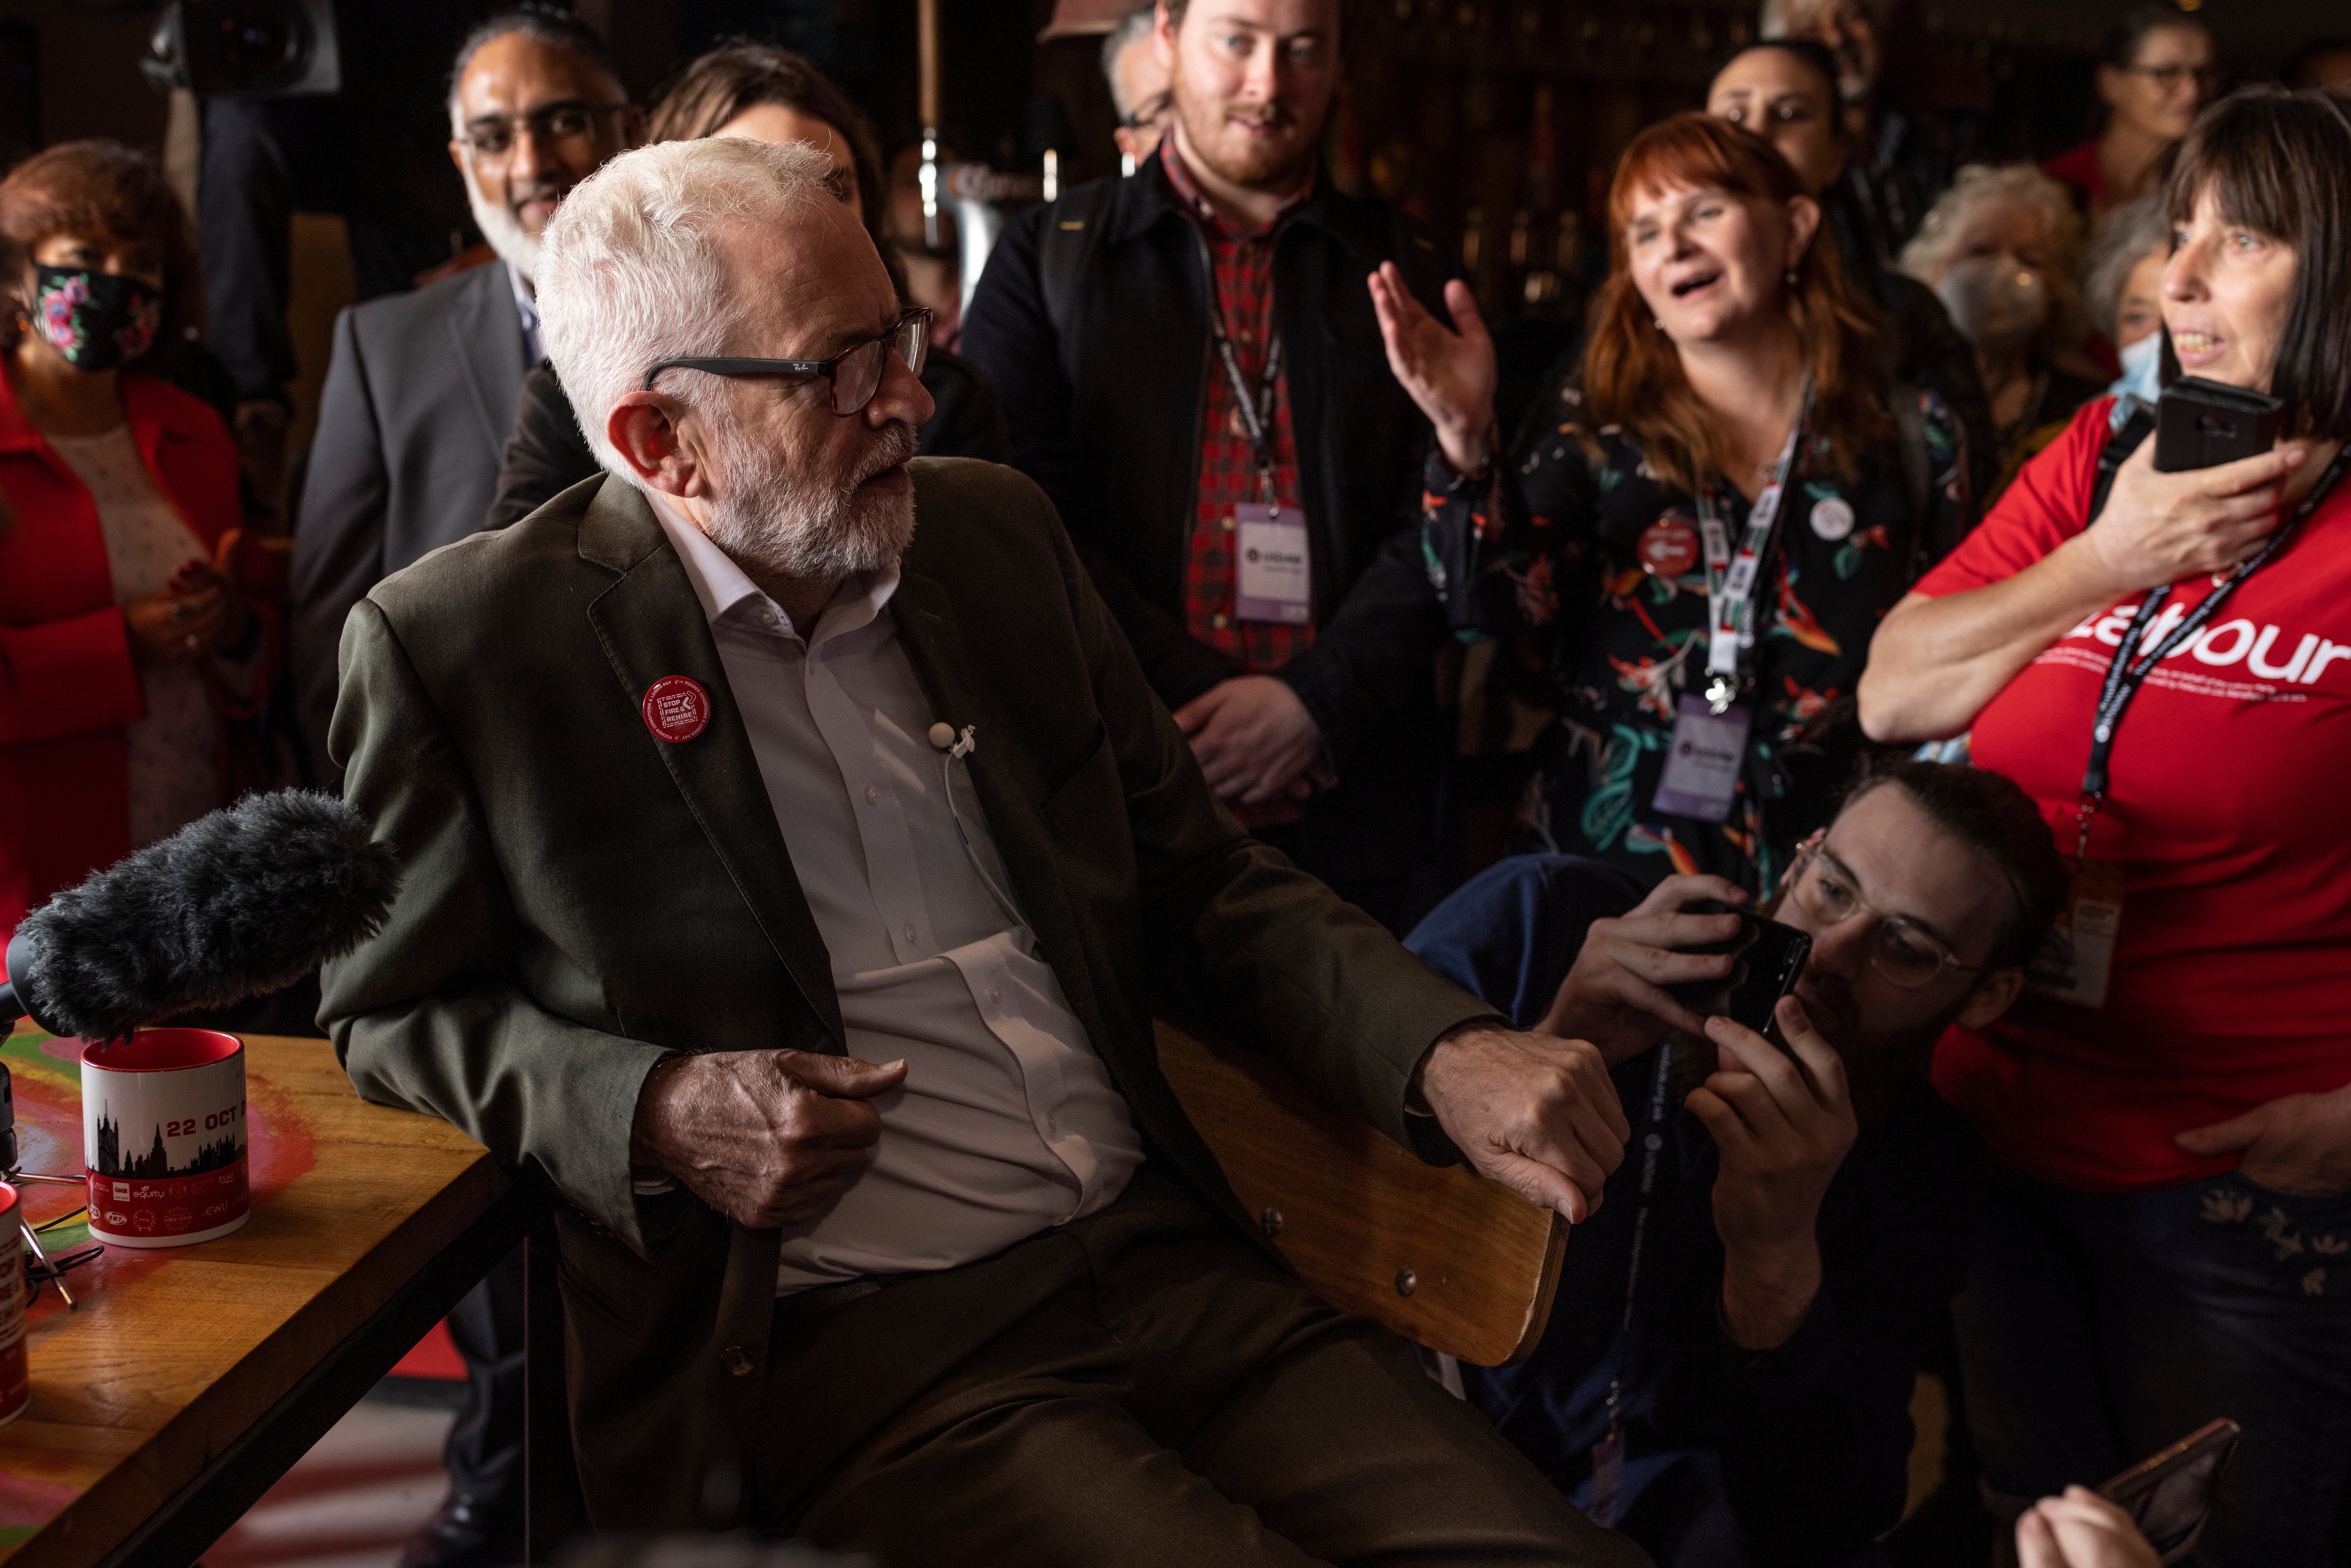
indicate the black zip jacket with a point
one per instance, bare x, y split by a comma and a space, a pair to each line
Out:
1092, 319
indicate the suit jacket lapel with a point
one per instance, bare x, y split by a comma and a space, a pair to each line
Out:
1004, 776
652, 624
487, 333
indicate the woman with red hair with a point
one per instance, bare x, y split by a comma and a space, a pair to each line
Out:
123, 626
1703, 522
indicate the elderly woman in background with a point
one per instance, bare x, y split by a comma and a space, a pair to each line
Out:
2121, 287
2168, 1239
2157, 69
1731, 360
2000, 248
761, 93
127, 617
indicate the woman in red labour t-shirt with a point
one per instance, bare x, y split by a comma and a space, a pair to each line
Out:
2169, 1237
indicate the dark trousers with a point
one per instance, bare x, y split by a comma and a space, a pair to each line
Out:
484, 1454
1166, 1394
2098, 1327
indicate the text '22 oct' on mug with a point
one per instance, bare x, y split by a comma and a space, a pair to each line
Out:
163, 1133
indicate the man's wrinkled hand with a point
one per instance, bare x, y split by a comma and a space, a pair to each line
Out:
768, 1138
1540, 1115
1616, 996
1254, 740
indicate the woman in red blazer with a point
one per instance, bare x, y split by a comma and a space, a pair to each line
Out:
128, 630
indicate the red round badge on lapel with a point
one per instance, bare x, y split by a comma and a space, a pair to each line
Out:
676, 708
1667, 547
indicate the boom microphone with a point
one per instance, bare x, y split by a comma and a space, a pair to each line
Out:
237, 904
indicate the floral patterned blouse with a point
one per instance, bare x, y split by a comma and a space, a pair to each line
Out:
1546, 557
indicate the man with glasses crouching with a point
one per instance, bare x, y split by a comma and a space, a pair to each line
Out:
1727, 1369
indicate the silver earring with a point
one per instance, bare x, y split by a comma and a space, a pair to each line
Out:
1658, 322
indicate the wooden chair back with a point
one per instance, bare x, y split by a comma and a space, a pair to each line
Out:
1444, 1256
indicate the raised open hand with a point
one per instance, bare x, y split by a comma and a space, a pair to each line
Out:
1450, 371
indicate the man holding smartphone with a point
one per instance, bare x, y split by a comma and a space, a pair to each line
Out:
1731, 1358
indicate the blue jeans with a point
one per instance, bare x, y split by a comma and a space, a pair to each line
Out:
2099, 1327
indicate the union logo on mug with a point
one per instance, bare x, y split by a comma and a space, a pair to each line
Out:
162, 1137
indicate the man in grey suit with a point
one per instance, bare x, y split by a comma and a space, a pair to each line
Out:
420, 395
421, 387
791, 892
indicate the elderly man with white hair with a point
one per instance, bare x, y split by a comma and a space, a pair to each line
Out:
790, 890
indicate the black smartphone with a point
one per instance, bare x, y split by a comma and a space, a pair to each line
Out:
2169, 1495
2202, 424
1770, 960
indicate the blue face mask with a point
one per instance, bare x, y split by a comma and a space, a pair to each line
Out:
2142, 371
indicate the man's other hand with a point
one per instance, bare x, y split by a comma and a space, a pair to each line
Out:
768, 1138
1254, 738
1537, 1114
1782, 1125
1616, 997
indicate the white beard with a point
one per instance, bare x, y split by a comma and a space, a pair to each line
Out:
811, 529
516, 247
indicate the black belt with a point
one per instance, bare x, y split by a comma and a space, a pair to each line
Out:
802, 1304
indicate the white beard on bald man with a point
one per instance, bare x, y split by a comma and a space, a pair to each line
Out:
820, 528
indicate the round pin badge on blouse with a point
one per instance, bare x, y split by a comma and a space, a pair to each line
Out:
1833, 517
676, 708
1666, 547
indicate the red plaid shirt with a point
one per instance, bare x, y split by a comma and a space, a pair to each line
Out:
1241, 266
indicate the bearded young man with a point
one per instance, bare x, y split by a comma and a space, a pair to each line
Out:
1727, 1369
790, 889
1138, 330
421, 389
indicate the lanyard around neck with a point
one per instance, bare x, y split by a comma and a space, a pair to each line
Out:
1653, 1145
2126, 674
1732, 580
1256, 408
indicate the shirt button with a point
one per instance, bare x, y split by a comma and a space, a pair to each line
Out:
1232, 522
996, 996
1248, 336
872, 794
1219, 622
910, 932
737, 1362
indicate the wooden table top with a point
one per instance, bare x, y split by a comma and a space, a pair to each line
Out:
176, 1351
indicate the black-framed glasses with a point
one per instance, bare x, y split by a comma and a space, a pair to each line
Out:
1902, 950
569, 120
2166, 77
855, 372
1151, 111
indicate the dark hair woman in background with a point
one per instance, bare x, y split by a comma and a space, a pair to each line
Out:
2156, 71
127, 618
762, 93
2169, 1238
1730, 360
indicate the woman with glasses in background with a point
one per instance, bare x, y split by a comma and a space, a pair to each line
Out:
764, 94
2157, 69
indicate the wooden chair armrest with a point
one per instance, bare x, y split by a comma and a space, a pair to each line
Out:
1444, 1256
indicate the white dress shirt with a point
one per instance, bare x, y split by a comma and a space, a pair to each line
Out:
527, 307
1007, 1123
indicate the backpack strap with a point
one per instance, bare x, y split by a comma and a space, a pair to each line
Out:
2117, 452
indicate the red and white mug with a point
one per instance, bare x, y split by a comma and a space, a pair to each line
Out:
162, 1137
15, 1386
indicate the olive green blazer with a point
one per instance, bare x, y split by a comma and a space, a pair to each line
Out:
583, 900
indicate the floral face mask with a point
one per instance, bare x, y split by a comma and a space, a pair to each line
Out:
98, 321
